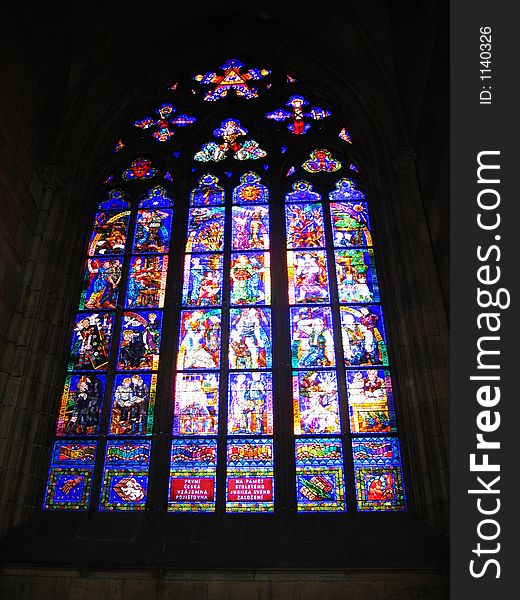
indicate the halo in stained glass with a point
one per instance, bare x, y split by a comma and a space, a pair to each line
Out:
146, 281
356, 273
196, 404
250, 278
205, 229
370, 401
202, 280
192, 475
109, 233
320, 485
312, 342
250, 403
199, 339
140, 340
250, 227
304, 225
133, 404
315, 402
363, 335
250, 338
308, 276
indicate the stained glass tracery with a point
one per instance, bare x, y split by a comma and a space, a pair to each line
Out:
223, 391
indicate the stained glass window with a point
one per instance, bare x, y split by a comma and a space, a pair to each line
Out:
260, 286
110, 387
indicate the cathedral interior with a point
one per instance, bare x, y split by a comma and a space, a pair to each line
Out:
74, 77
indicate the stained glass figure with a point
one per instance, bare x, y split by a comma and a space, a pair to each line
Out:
101, 283
346, 190
357, 279
125, 475
378, 474
146, 282
152, 233
363, 334
250, 403
70, 476
344, 135
116, 200
370, 401
141, 168
296, 115
250, 227
199, 339
321, 160
233, 78
315, 402
308, 278
350, 224
304, 226
312, 342
302, 192
230, 131
205, 229
192, 475
91, 339
202, 280
209, 193
250, 190
133, 403
81, 404
162, 127
250, 481
196, 404
140, 340
250, 341
320, 485
119, 146
157, 198
250, 278
109, 233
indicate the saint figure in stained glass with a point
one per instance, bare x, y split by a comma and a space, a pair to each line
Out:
230, 131
296, 114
